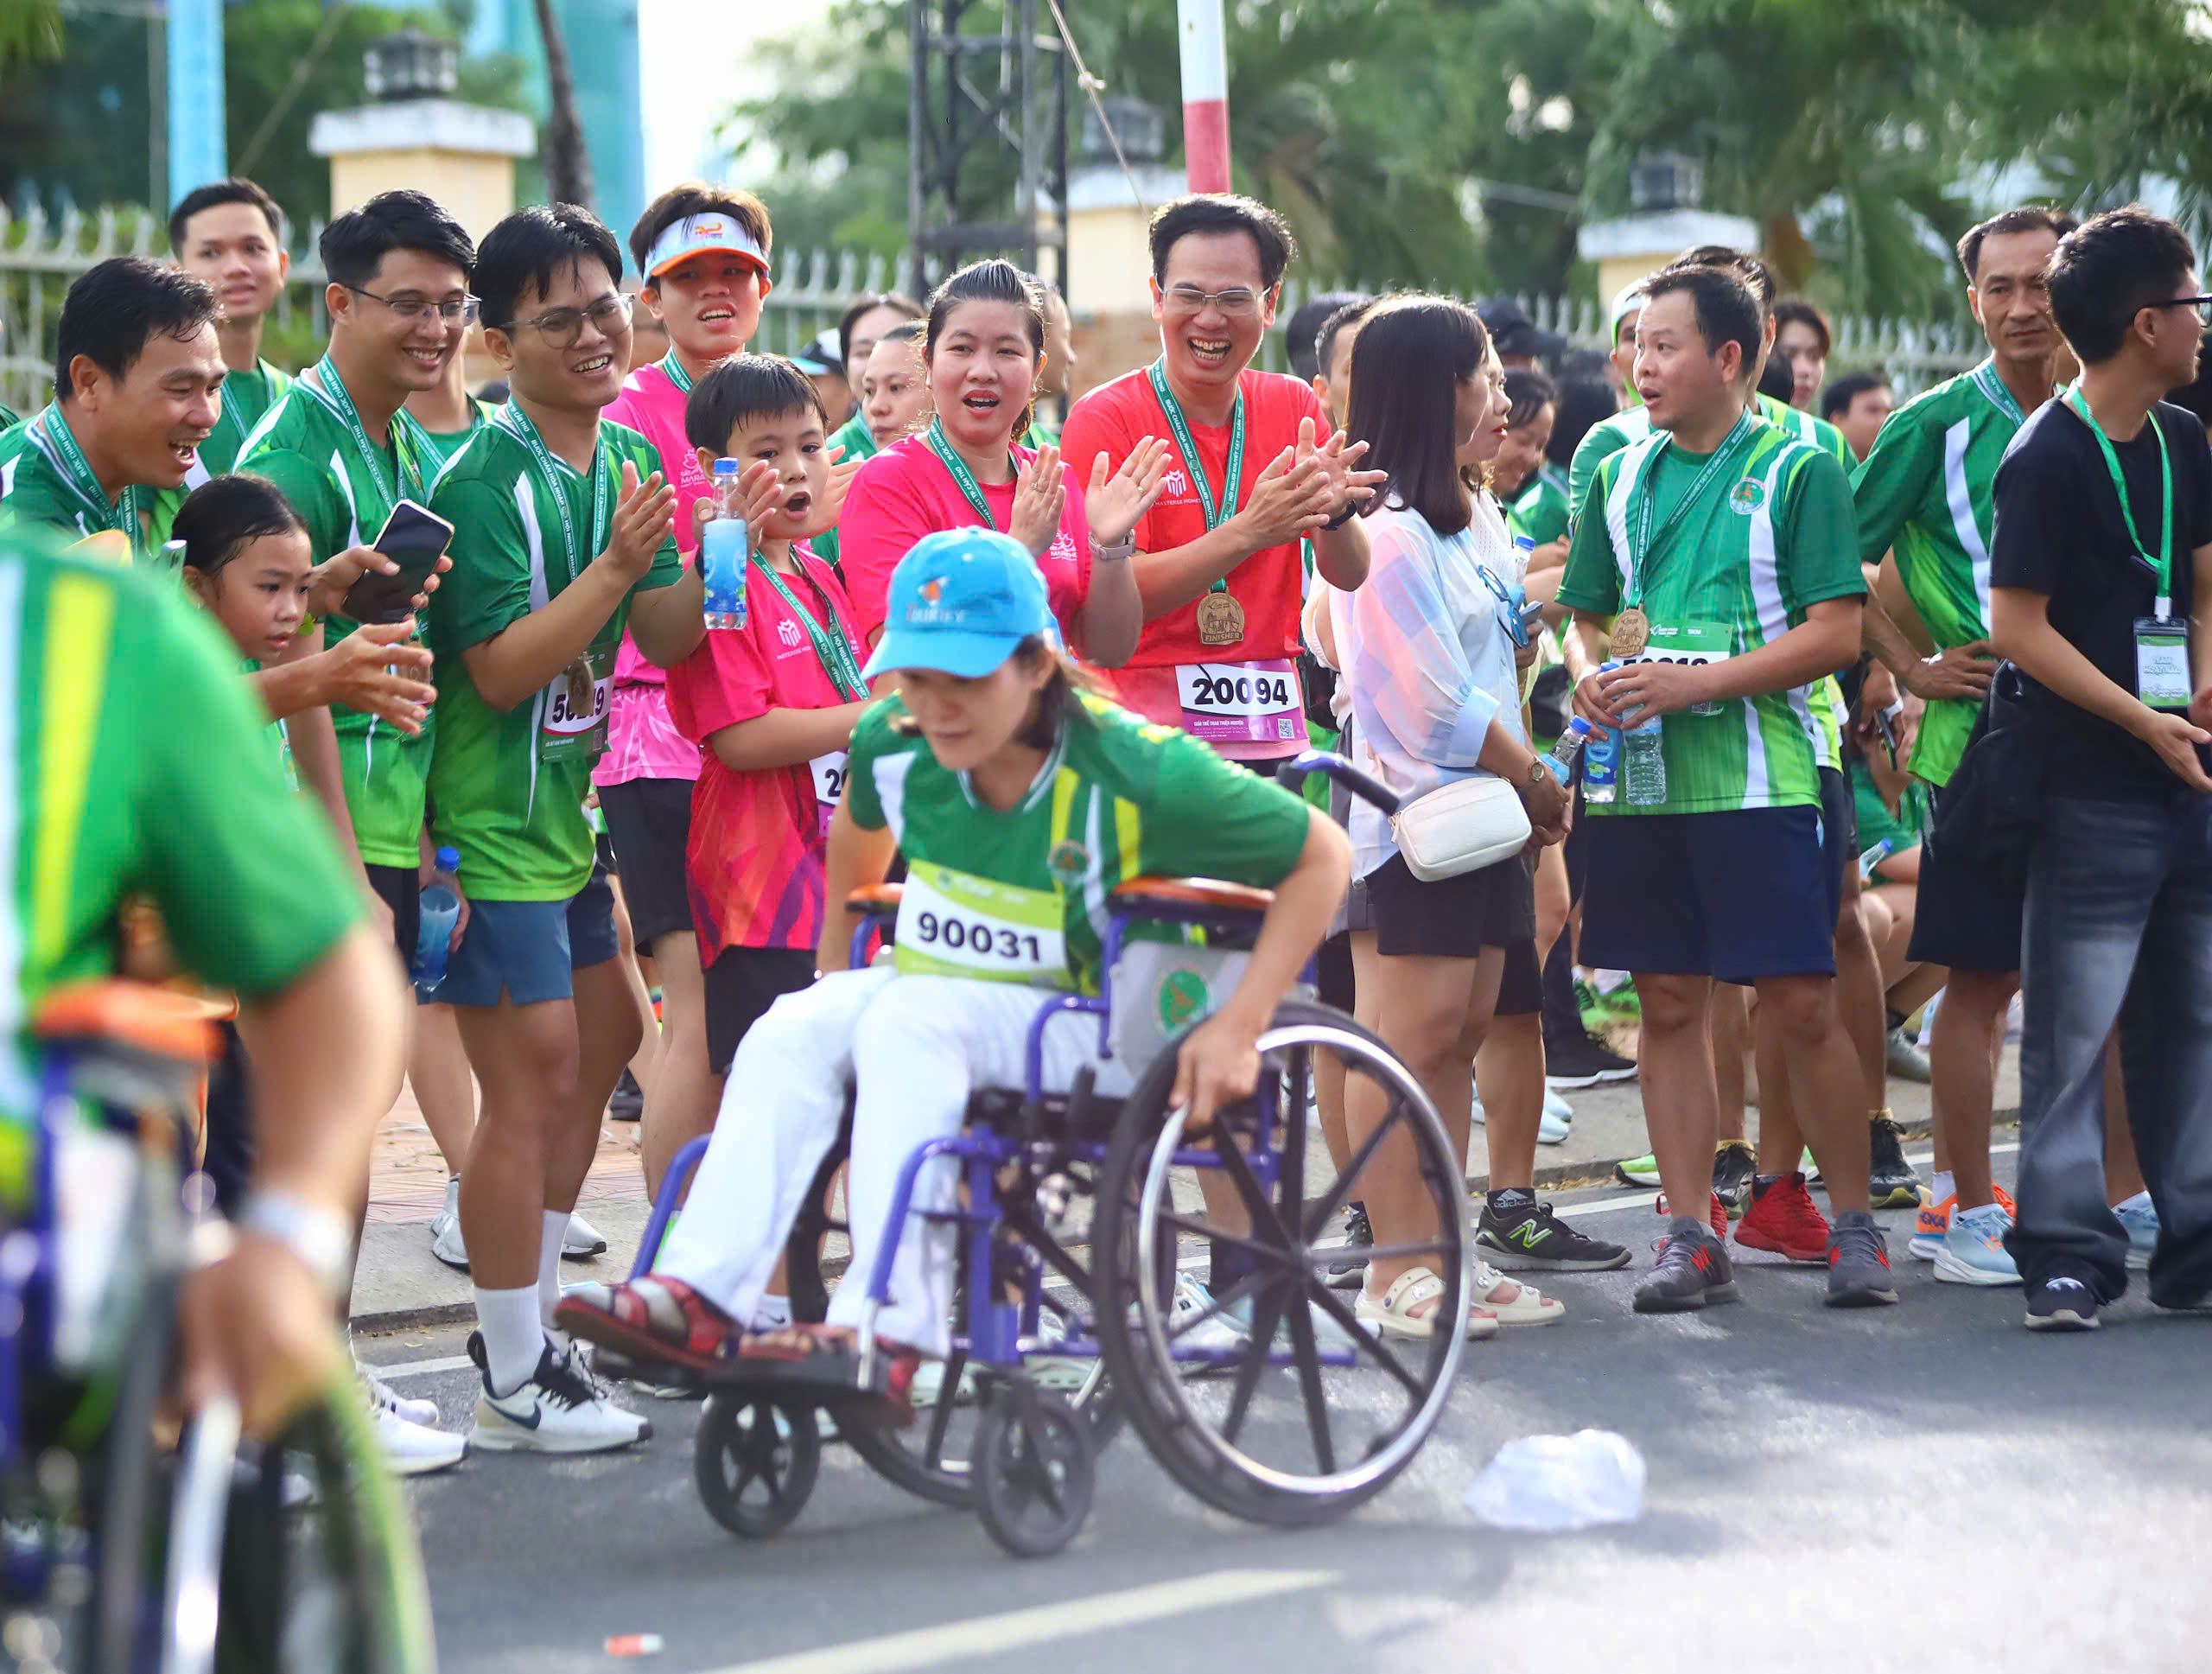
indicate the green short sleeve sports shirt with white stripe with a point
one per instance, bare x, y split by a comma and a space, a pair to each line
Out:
503, 790
1117, 797
1925, 493
1539, 510
307, 448
1774, 535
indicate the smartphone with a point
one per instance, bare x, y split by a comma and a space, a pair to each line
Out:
416, 539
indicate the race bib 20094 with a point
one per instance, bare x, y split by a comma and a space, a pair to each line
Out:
1241, 702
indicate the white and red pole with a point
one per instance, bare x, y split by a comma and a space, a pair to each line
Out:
1205, 94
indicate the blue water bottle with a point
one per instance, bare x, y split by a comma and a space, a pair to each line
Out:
1601, 763
722, 549
439, 911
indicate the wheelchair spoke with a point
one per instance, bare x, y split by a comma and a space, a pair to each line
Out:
1221, 1304
1273, 1252
1266, 1312
1325, 1208
1304, 1351
1239, 1170
1365, 1335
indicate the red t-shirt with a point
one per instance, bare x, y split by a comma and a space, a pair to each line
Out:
1112, 419
906, 492
758, 839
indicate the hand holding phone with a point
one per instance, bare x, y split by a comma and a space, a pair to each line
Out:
415, 539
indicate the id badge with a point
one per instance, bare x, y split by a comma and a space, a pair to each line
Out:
1691, 644
574, 723
2162, 675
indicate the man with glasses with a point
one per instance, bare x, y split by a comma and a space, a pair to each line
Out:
1256, 468
563, 534
2100, 591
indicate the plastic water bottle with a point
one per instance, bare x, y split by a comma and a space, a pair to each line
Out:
1873, 857
722, 550
1601, 762
440, 911
1645, 768
1562, 756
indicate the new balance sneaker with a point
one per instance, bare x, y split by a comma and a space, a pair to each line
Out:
1523, 1235
582, 1240
1349, 1269
1692, 1270
445, 1229
1973, 1248
1858, 1263
1584, 1060
1637, 1170
1890, 1180
1934, 1219
1734, 1164
1715, 1214
2061, 1301
559, 1408
1784, 1220
2140, 1216
410, 1446
1905, 1058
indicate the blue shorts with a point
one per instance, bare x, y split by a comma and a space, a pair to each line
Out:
526, 950
1736, 895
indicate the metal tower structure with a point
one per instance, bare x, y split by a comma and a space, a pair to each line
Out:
988, 99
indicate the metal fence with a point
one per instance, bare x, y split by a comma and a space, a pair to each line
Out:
39, 257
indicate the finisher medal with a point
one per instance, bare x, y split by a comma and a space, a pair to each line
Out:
1221, 619
1631, 633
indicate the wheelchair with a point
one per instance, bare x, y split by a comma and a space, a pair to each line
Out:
118, 1553
1077, 1214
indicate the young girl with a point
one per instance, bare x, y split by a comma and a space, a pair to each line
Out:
984, 346
977, 771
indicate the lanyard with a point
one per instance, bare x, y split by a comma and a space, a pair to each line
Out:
676, 375
517, 423
1215, 514
2162, 566
1986, 381
830, 645
233, 416
406, 448
49, 431
963, 476
1643, 540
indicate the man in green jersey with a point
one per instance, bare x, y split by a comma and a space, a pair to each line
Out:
1724, 553
230, 236
563, 534
138, 767
137, 384
1925, 494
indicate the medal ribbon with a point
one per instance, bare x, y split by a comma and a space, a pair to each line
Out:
2162, 566
49, 433
1219, 512
831, 646
1986, 381
1643, 538
965, 479
517, 423
408, 440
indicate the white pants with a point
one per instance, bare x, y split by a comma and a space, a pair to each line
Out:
914, 1048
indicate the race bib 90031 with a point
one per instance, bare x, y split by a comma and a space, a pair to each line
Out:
953, 924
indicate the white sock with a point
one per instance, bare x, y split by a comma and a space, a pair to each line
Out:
2141, 1201
1945, 1187
555, 1228
514, 1336
770, 1312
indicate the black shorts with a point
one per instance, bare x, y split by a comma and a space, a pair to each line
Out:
1521, 989
741, 984
1964, 915
400, 887
1838, 835
650, 822
1451, 918
1332, 979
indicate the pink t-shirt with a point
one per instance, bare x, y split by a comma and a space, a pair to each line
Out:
906, 492
641, 743
755, 861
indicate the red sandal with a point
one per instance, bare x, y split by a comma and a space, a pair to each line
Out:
822, 1362
623, 1318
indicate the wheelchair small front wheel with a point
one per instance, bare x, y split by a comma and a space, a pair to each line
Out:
1036, 1467
755, 1462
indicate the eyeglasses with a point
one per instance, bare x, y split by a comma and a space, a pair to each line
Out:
451, 310
1238, 304
2202, 304
562, 328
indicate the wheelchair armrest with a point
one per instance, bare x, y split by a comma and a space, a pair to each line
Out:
876, 898
1182, 893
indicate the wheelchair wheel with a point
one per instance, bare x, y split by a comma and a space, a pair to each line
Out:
1315, 1413
1035, 1470
755, 1462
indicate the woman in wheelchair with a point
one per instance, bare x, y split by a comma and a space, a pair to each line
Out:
1020, 802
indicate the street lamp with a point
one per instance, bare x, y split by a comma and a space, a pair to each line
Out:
410, 65
1664, 180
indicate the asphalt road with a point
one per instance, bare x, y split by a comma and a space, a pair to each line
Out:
1923, 1487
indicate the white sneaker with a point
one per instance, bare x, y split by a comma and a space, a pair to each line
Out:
559, 1409
379, 1393
408, 1448
445, 1230
1225, 1333
1551, 1129
582, 1240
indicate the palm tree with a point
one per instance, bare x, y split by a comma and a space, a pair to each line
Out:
567, 163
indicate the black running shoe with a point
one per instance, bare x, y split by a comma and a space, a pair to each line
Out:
1350, 1272
1693, 1270
1858, 1263
1584, 1060
1734, 1166
629, 1101
1527, 1237
1891, 1179
2061, 1301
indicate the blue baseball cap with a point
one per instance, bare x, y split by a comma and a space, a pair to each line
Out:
961, 600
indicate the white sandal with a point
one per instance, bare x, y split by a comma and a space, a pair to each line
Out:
1393, 1315
1528, 1306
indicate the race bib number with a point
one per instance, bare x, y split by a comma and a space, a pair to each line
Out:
829, 772
952, 924
574, 726
1241, 702
1692, 645
2162, 678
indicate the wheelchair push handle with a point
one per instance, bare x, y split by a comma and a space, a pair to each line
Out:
1293, 773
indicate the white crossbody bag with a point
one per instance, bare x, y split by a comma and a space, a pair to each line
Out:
1460, 827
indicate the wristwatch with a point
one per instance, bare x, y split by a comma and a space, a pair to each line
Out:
1122, 549
321, 1237
1538, 772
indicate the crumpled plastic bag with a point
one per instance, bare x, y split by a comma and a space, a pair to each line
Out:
1554, 1484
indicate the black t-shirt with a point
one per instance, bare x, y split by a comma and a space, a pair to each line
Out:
2059, 531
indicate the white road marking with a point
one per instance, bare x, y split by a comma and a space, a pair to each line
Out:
1013, 1630
421, 1368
